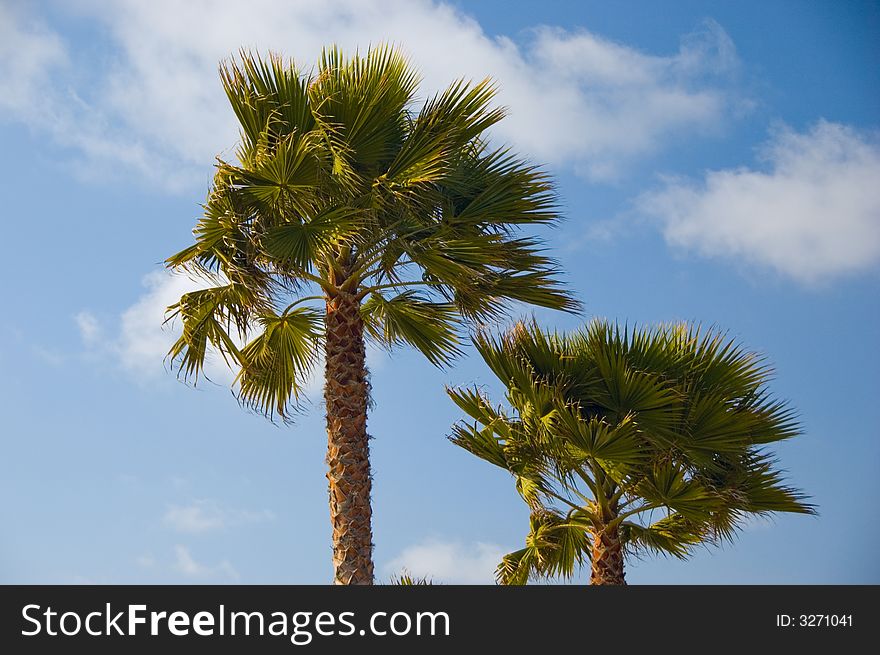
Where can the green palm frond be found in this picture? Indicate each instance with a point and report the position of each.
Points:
(712, 428)
(284, 182)
(220, 236)
(296, 245)
(363, 100)
(620, 444)
(410, 318)
(211, 318)
(246, 86)
(462, 112)
(539, 287)
(672, 535)
(755, 485)
(497, 191)
(504, 359)
(480, 442)
(718, 364)
(267, 94)
(667, 485)
(475, 405)
(555, 547)
(517, 567)
(276, 363)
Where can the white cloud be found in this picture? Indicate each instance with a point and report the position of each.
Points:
(31, 53)
(585, 100)
(144, 337)
(141, 339)
(202, 516)
(155, 103)
(195, 518)
(814, 215)
(449, 562)
(42, 84)
(89, 328)
(186, 564)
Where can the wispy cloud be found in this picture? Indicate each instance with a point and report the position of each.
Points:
(32, 54)
(154, 103)
(601, 104)
(141, 338)
(812, 215)
(89, 328)
(452, 562)
(42, 85)
(202, 516)
(144, 338)
(186, 564)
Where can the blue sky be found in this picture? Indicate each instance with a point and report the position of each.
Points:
(716, 161)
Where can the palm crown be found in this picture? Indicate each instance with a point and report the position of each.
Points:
(350, 214)
(627, 440)
(341, 188)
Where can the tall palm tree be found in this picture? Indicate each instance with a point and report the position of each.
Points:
(627, 440)
(352, 214)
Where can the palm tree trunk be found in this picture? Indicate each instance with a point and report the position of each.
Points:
(607, 559)
(346, 393)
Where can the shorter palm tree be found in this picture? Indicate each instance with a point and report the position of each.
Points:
(624, 441)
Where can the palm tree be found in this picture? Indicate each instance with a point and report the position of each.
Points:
(623, 441)
(351, 214)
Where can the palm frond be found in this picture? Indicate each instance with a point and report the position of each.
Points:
(619, 445)
(516, 568)
(498, 191)
(555, 547)
(672, 535)
(363, 99)
(667, 485)
(278, 361)
(295, 245)
(480, 442)
(410, 318)
(211, 318)
(284, 182)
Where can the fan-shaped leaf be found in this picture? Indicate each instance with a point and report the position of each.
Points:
(277, 362)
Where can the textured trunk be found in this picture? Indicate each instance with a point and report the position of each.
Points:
(346, 393)
(607, 560)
